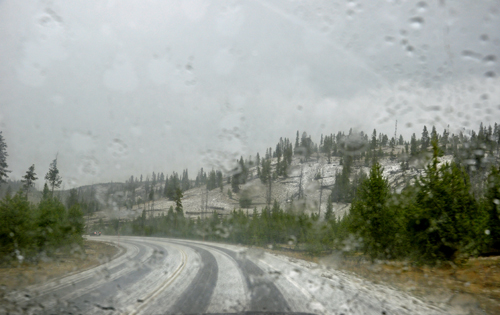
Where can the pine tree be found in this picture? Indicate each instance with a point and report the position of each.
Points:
(434, 135)
(296, 143)
(29, 179)
(492, 206)
(3, 160)
(186, 185)
(46, 191)
(413, 145)
(212, 180)
(425, 141)
(220, 181)
(53, 176)
(178, 202)
(16, 227)
(444, 141)
(371, 217)
(442, 213)
(235, 182)
(243, 171)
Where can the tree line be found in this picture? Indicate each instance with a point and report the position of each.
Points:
(30, 232)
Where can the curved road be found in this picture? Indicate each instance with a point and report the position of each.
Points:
(170, 276)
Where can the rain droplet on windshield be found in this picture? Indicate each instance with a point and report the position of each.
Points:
(490, 59)
(422, 6)
(416, 22)
(484, 37)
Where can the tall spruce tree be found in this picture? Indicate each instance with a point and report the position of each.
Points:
(371, 217)
(52, 176)
(29, 179)
(492, 206)
(425, 141)
(442, 212)
(3, 160)
(413, 145)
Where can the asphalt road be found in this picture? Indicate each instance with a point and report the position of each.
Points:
(170, 276)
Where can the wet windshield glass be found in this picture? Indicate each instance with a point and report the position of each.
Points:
(320, 157)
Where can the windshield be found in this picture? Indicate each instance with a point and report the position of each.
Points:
(319, 157)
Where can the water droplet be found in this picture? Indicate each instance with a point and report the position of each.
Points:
(118, 148)
(434, 108)
(490, 58)
(416, 22)
(471, 54)
(89, 166)
(422, 6)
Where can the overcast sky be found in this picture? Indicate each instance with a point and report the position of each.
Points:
(120, 88)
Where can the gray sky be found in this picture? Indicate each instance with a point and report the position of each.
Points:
(120, 88)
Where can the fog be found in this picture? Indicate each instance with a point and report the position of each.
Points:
(120, 88)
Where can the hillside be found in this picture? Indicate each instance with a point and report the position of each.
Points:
(315, 178)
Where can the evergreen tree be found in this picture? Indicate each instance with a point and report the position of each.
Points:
(51, 222)
(220, 181)
(434, 135)
(342, 189)
(327, 147)
(265, 174)
(373, 142)
(441, 213)
(371, 217)
(153, 179)
(491, 204)
(413, 145)
(29, 179)
(243, 171)
(53, 177)
(444, 141)
(178, 202)
(186, 185)
(212, 180)
(425, 141)
(297, 145)
(3, 159)
(17, 231)
(46, 191)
